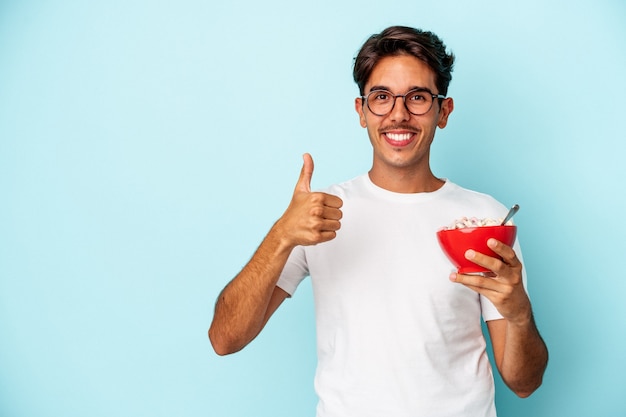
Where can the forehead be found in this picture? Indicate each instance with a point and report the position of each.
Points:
(401, 73)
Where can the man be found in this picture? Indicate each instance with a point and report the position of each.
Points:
(397, 333)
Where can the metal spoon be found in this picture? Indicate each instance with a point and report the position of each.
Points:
(510, 214)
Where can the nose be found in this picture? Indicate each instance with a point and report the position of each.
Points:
(399, 112)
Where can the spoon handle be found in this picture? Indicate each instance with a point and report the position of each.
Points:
(510, 214)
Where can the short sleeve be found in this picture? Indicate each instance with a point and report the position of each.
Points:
(295, 270)
(488, 310)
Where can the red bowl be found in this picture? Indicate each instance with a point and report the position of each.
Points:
(455, 242)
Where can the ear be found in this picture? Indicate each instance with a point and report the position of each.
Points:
(358, 106)
(447, 105)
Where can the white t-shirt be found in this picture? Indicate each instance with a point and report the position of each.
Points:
(395, 337)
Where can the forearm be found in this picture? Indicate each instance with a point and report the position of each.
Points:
(525, 357)
(241, 308)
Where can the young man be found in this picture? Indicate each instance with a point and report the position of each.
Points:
(397, 333)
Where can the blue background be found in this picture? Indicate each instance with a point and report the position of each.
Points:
(147, 146)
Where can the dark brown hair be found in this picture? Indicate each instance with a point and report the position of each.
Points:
(399, 40)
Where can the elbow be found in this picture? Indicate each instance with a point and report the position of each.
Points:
(527, 390)
(221, 345)
(219, 349)
(217, 343)
(524, 394)
(525, 385)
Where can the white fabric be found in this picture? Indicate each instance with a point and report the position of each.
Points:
(395, 337)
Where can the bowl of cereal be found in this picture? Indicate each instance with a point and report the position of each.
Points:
(473, 233)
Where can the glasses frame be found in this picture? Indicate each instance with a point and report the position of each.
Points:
(395, 98)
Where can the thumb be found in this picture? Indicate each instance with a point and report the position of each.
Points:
(304, 182)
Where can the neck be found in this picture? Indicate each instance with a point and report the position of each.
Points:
(406, 181)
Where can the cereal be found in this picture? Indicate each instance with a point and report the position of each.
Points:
(475, 222)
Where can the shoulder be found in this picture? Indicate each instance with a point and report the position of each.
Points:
(347, 188)
(463, 196)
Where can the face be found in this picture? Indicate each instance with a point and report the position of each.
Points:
(400, 139)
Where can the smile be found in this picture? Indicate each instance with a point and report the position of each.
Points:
(399, 139)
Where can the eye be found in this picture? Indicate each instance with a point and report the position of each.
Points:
(418, 96)
(380, 96)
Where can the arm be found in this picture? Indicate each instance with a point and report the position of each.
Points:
(248, 301)
(520, 353)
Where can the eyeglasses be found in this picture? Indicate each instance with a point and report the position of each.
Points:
(418, 101)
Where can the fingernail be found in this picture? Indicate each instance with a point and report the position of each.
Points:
(492, 243)
(453, 276)
(469, 254)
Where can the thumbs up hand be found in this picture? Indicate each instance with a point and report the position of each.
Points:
(311, 217)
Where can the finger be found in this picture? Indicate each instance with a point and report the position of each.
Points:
(304, 182)
(475, 282)
(329, 225)
(325, 236)
(332, 201)
(506, 252)
(323, 231)
(482, 259)
(331, 213)
(504, 271)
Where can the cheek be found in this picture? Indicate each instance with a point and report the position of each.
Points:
(371, 137)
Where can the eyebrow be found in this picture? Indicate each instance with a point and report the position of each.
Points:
(414, 88)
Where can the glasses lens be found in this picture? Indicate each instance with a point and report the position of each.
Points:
(418, 102)
(380, 102)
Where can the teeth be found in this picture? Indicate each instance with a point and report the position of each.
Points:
(398, 136)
